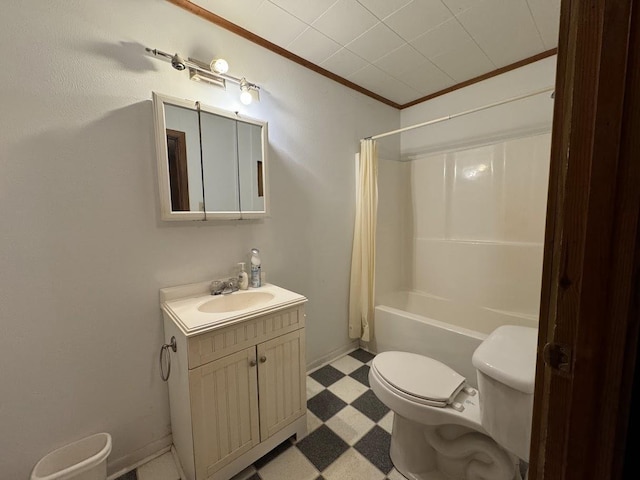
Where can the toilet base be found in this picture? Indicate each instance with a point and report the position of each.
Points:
(448, 452)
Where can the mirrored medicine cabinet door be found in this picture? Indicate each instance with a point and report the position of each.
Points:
(212, 163)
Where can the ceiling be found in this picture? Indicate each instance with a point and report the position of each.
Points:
(402, 50)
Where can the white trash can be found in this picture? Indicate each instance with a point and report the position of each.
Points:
(85, 459)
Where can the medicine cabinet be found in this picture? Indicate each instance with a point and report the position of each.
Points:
(212, 164)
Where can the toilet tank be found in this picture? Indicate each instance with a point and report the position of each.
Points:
(506, 365)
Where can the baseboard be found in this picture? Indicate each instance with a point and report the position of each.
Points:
(141, 456)
(332, 356)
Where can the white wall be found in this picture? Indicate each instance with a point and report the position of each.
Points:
(82, 251)
(521, 118)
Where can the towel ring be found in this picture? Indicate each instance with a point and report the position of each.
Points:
(165, 348)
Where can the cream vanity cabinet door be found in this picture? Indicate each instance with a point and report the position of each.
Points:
(224, 408)
(281, 382)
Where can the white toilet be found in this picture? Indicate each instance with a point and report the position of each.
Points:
(444, 429)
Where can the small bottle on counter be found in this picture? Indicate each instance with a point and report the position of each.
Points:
(243, 278)
(256, 278)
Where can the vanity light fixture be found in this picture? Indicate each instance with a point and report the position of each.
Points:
(214, 73)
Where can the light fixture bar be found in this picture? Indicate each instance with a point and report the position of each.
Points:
(203, 69)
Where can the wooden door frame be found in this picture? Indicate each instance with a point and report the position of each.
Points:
(179, 171)
(592, 249)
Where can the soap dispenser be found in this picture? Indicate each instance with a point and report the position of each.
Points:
(256, 280)
(243, 278)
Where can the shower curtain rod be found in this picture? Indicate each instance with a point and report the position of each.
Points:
(460, 114)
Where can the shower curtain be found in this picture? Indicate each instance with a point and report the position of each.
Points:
(363, 257)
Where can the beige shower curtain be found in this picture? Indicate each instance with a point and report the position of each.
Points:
(363, 257)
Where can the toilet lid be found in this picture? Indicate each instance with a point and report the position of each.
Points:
(419, 376)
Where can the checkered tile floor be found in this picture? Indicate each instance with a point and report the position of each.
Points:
(349, 430)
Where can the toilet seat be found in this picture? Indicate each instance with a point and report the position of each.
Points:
(418, 378)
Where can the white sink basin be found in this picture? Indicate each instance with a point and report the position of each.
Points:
(234, 302)
(194, 310)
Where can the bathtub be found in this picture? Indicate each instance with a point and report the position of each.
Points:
(438, 328)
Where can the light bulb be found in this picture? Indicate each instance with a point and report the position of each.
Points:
(245, 97)
(219, 65)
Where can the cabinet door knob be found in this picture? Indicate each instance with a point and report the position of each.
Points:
(252, 363)
(263, 359)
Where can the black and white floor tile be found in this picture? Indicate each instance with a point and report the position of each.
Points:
(349, 430)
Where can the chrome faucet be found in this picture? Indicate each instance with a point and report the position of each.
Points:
(224, 287)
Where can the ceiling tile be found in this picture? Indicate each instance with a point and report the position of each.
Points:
(417, 17)
(305, 10)
(445, 37)
(464, 62)
(375, 43)
(345, 21)
(313, 46)
(344, 63)
(450, 41)
(271, 22)
(504, 29)
(383, 8)
(546, 14)
(374, 79)
(400, 60)
(426, 78)
(399, 92)
(459, 6)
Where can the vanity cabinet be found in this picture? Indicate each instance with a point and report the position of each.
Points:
(244, 398)
(237, 391)
(224, 410)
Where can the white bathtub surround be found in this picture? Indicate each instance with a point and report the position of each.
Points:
(363, 256)
(461, 218)
(468, 234)
(395, 221)
(479, 224)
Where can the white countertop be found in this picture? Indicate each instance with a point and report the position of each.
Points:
(181, 305)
